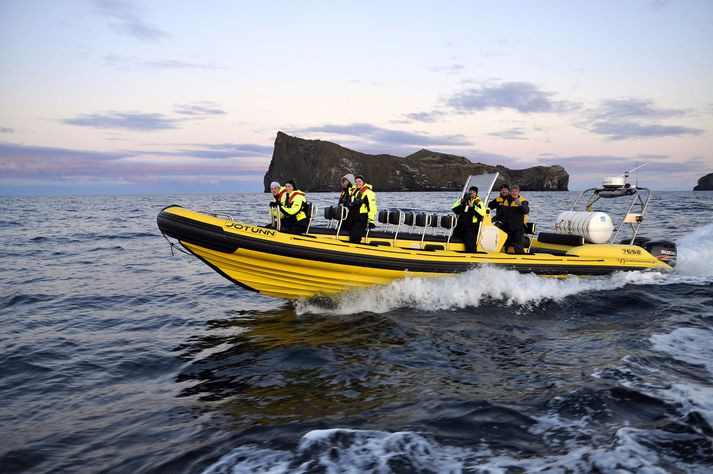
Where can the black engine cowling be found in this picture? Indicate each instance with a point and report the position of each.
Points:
(664, 250)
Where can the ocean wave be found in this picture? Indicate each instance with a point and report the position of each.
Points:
(346, 450)
(691, 346)
(473, 288)
(342, 450)
(469, 289)
(695, 253)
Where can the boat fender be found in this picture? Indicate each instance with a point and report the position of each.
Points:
(664, 250)
(448, 222)
(434, 220)
(595, 227)
(560, 239)
(422, 219)
(383, 217)
(329, 213)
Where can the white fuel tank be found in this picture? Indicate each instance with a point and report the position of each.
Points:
(595, 227)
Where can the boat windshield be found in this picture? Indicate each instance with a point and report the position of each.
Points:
(484, 183)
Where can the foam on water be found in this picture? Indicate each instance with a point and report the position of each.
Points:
(695, 253)
(346, 451)
(355, 451)
(472, 288)
(692, 346)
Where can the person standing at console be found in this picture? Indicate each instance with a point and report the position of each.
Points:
(515, 207)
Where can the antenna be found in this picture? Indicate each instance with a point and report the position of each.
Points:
(626, 173)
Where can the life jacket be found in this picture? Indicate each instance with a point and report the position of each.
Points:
(477, 210)
(510, 204)
(345, 195)
(294, 205)
(368, 201)
(280, 200)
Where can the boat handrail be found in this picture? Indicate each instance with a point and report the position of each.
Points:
(401, 216)
(625, 191)
(452, 221)
(312, 212)
(426, 225)
(343, 214)
(221, 214)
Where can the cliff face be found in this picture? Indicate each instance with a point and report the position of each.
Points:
(705, 183)
(318, 165)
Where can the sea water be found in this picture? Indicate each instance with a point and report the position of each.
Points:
(117, 356)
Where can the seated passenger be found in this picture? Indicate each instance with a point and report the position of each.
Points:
(295, 220)
(279, 196)
(346, 190)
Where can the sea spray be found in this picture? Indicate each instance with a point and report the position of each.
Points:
(695, 253)
(469, 289)
(484, 284)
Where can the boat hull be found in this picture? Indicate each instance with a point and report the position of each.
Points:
(295, 266)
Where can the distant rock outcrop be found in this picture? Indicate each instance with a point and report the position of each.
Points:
(318, 165)
(704, 184)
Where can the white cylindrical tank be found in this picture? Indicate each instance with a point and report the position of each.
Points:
(595, 227)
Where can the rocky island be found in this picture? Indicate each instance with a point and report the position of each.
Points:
(705, 183)
(318, 165)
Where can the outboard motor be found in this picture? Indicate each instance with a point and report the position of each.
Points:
(664, 250)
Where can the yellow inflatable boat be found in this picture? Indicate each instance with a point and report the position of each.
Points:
(323, 261)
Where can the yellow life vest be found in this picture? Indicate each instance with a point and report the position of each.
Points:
(368, 201)
(294, 206)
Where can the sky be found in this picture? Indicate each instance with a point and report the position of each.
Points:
(118, 96)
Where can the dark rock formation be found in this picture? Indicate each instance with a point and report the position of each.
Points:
(704, 184)
(318, 165)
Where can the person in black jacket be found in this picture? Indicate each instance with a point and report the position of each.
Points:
(470, 211)
(515, 207)
(497, 204)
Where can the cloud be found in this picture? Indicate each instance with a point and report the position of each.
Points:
(523, 97)
(127, 62)
(147, 122)
(631, 130)
(427, 117)
(634, 118)
(7, 130)
(450, 69)
(134, 121)
(379, 135)
(125, 20)
(633, 108)
(199, 109)
(515, 133)
(217, 151)
(662, 172)
(21, 162)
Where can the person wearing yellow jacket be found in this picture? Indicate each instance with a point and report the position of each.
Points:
(470, 210)
(295, 220)
(362, 209)
(279, 196)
